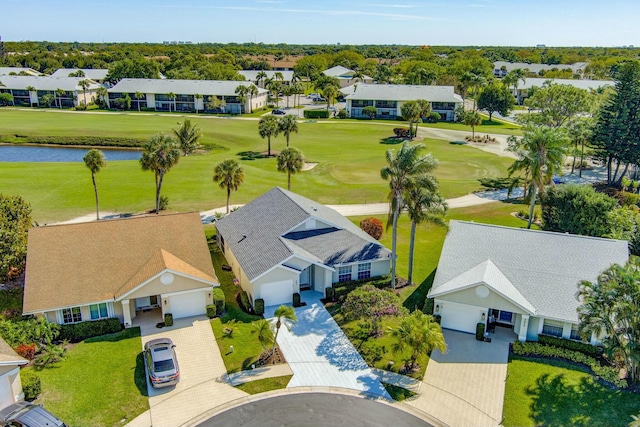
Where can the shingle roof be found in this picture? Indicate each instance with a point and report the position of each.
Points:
(181, 87)
(544, 267)
(259, 234)
(79, 264)
(404, 93)
(89, 73)
(68, 84)
(581, 84)
(8, 356)
(253, 74)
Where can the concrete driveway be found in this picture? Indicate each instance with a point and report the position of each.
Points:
(465, 386)
(201, 386)
(320, 354)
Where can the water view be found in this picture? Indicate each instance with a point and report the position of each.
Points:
(35, 153)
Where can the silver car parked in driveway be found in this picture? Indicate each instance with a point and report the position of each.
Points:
(161, 362)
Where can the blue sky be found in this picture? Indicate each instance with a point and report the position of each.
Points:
(413, 22)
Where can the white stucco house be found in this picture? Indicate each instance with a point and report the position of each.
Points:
(10, 384)
(282, 243)
(118, 268)
(526, 279)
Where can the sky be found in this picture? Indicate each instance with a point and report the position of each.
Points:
(406, 22)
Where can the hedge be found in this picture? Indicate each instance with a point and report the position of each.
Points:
(316, 114)
(94, 141)
(584, 348)
(76, 332)
(218, 299)
(605, 373)
(343, 288)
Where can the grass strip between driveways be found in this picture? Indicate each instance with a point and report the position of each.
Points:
(99, 383)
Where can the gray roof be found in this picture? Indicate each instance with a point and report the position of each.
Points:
(259, 234)
(538, 270)
(581, 84)
(534, 68)
(5, 71)
(253, 74)
(89, 73)
(404, 93)
(181, 87)
(68, 84)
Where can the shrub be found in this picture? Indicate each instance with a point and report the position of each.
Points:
(168, 319)
(77, 332)
(401, 132)
(343, 114)
(480, 331)
(372, 226)
(218, 299)
(28, 351)
(330, 294)
(258, 306)
(244, 301)
(316, 114)
(428, 306)
(584, 348)
(296, 299)
(211, 311)
(31, 385)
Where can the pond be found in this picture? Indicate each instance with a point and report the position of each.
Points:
(38, 153)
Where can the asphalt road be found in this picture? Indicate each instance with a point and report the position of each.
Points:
(315, 410)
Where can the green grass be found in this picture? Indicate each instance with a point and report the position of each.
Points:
(555, 393)
(350, 155)
(398, 393)
(266, 384)
(101, 381)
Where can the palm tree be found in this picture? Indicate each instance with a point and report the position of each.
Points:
(197, 97)
(138, 96)
(172, 97)
(291, 161)
(402, 167)
(60, 93)
(84, 84)
(30, 89)
(283, 314)
(268, 127)
(287, 125)
(259, 78)
(242, 91)
(264, 333)
(410, 111)
(419, 332)
(94, 160)
(159, 155)
(229, 175)
(540, 153)
(423, 203)
(187, 136)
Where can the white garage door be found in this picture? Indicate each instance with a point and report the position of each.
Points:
(275, 293)
(6, 394)
(190, 304)
(460, 317)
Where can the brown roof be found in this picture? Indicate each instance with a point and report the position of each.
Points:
(78, 264)
(8, 356)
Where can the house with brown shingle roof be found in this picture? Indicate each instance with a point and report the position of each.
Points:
(10, 384)
(118, 268)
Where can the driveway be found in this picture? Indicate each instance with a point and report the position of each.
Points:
(465, 386)
(201, 370)
(320, 354)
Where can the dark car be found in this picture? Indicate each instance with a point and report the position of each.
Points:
(28, 415)
(278, 112)
(161, 362)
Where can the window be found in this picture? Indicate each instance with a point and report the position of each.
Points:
(552, 328)
(98, 311)
(344, 273)
(71, 315)
(364, 270)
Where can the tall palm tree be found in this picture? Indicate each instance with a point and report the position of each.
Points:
(410, 111)
(159, 155)
(402, 167)
(138, 96)
(172, 97)
(264, 333)
(229, 175)
(420, 333)
(196, 104)
(59, 94)
(291, 161)
(540, 153)
(267, 128)
(30, 89)
(283, 314)
(94, 160)
(187, 136)
(287, 125)
(84, 84)
(424, 204)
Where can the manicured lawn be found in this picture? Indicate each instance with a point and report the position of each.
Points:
(267, 384)
(349, 156)
(554, 393)
(101, 381)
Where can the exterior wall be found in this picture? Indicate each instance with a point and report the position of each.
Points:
(155, 287)
(468, 296)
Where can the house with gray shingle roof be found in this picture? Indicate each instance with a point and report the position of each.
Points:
(526, 280)
(282, 243)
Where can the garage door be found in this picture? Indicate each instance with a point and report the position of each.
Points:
(460, 317)
(190, 304)
(274, 293)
